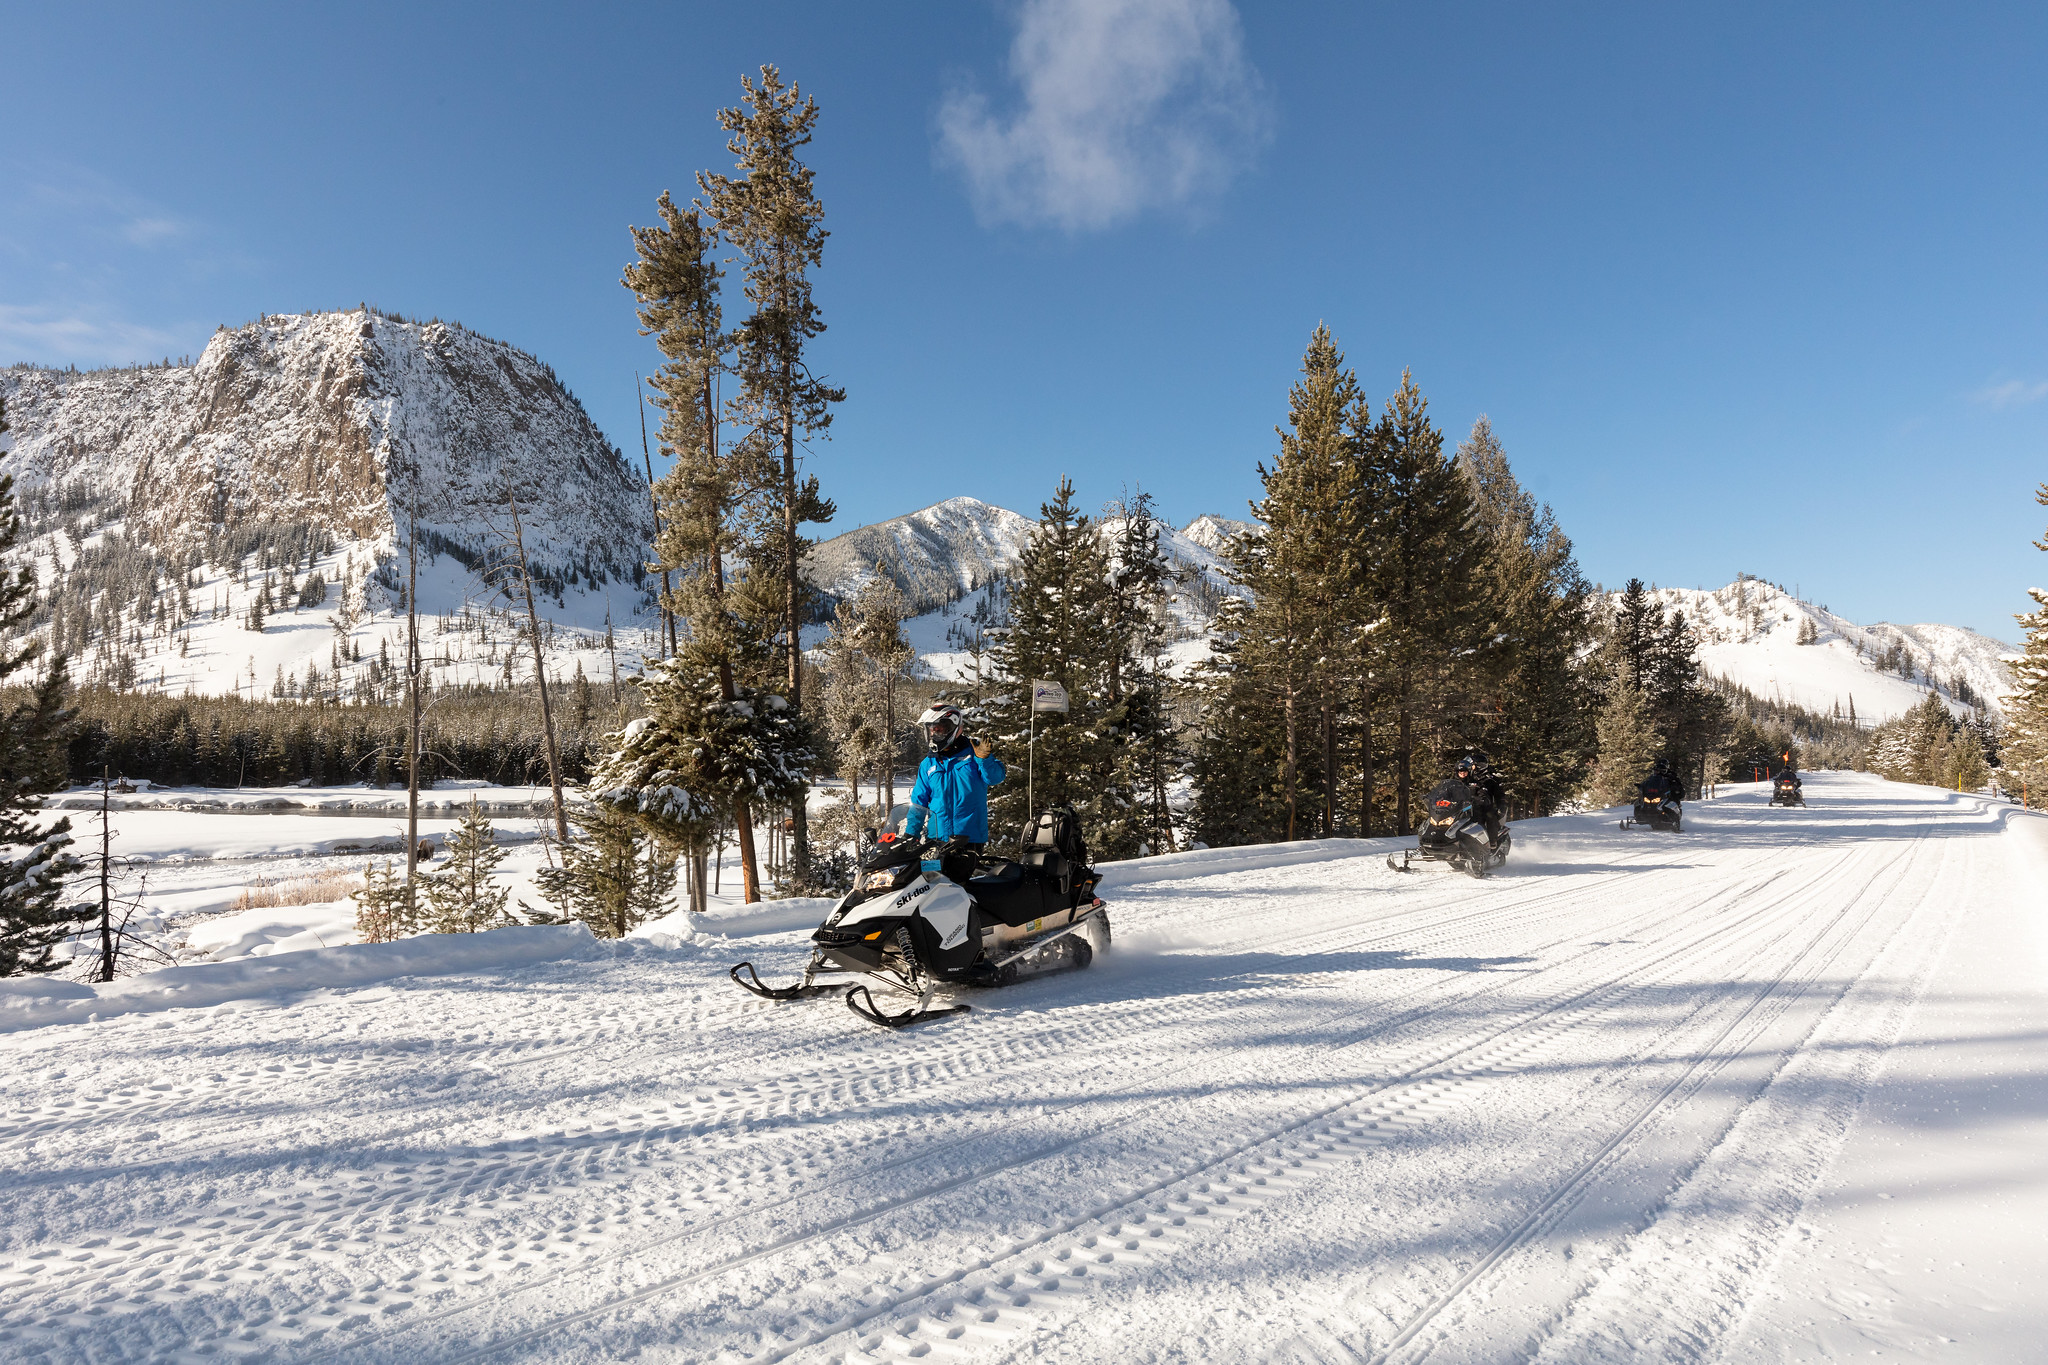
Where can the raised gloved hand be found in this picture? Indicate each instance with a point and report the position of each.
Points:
(981, 746)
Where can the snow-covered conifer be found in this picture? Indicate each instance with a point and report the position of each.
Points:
(772, 215)
(614, 877)
(2026, 747)
(34, 859)
(461, 897)
(1629, 742)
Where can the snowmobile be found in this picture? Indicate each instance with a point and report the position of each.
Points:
(1663, 814)
(1452, 833)
(1786, 791)
(929, 913)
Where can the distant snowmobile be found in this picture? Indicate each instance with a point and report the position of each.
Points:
(1659, 802)
(1787, 790)
(926, 913)
(1452, 833)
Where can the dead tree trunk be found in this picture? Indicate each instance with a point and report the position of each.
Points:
(540, 671)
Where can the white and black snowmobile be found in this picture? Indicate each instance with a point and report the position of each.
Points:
(1453, 834)
(925, 914)
(1786, 791)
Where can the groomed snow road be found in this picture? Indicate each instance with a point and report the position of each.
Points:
(1306, 1110)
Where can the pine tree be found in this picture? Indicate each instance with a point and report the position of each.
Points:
(385, 908)
(34, 859)
(1535, 716)
(1301, 566)
(681, 768)
(462, 898)
(1629, 743)
(771, 214)
(1426, 578)
(676, 283)
(1140, 689)
(2026, 746)
(1058, 631)
(614, 877)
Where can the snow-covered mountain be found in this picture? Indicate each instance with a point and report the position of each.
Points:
(1756, 634)
(952, 561)
(162, 502)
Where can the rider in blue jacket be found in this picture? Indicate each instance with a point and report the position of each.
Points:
(953, 780)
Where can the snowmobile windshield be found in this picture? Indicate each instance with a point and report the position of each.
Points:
(904, 823)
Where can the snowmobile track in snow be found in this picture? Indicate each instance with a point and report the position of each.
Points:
(1542, 1036)
(682, 1173)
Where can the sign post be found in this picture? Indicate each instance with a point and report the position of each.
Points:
(1045, 696)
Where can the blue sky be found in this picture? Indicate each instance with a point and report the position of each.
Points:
(1742, 288)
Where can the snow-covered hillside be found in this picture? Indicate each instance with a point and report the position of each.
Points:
(163, 502)
(953, 560)
(1761, 637)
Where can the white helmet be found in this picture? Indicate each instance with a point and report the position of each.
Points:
(943, 726)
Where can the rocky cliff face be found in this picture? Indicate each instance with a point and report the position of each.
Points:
(328, 420)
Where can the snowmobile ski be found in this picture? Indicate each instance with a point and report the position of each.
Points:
(916, 1014)
(801, 989)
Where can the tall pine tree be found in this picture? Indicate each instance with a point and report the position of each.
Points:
(1300, 563)
(1535, 711)
(771, 214)
(1426, 566)
(1058, 631)
(34, 858)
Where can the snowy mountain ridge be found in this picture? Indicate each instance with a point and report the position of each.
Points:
(953, 560)
(164, 504)
(1761, 637)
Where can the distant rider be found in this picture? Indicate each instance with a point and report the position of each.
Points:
(953, 780)
(1489, 794)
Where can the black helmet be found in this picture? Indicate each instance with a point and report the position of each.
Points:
(1662, 765)
(1474, 762)
(942, 727)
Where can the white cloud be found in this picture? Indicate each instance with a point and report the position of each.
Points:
(1126, 105)
(47, 335)
(2012, 393)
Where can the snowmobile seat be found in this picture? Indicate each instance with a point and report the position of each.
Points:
(1053, 847)
(1009, 893)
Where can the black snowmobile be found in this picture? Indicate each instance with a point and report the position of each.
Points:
(928, 913)
(1659, 811)
(1452, 833)
(1787, 791)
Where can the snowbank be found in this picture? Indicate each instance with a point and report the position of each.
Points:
(733, 919)
(274, 929)
(34, 1002)
(1166, 867)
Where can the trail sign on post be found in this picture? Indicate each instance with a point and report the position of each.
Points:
(1046, 695)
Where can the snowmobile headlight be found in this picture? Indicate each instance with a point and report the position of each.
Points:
(879, 881)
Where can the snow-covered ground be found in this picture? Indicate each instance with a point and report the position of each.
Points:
(1768, 1090)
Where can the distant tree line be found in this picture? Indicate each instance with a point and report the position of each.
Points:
(487, 734)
